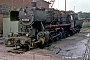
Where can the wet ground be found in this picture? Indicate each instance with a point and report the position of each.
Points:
(73, 46)
(76, 46)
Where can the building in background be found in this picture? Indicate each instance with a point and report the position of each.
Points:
(21, 3)
(7, 5)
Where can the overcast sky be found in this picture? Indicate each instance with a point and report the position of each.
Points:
(80, 5)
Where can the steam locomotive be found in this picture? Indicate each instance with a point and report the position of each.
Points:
(45, 25)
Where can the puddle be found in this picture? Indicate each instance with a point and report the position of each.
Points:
(88, 34)
(75, 51)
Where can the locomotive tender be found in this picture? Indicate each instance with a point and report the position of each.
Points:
(45, 25)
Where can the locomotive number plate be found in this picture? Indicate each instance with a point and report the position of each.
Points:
(25, 19)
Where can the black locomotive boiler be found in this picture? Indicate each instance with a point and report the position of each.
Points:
(45, 25)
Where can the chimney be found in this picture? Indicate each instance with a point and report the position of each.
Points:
(34, 3)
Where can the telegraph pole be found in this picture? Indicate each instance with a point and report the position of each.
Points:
(65, 5)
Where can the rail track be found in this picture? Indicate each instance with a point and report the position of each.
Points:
(45, 54)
